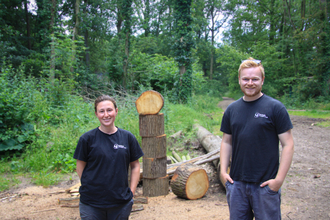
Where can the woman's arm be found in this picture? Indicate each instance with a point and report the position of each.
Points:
(135, 175)
(80, 167)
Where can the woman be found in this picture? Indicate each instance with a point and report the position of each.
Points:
(103, 158)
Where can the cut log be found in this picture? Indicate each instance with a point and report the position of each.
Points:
(154, 147)
(149, 103)
(73, 187)
(151, 125)
(176, 156)
(154, 167)
(69, 201)
(156, 187)
(190, 182)
(137, 207)
(141, 200)
(209, 141)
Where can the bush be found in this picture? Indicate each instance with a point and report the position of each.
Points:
(15, 106)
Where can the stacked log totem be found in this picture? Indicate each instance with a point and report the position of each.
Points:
(151, 126)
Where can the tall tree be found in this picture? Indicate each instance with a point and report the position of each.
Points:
(127, 15)
(217, 13)
(184, 42)
(52, 50)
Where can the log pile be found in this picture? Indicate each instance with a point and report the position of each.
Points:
(151, 128)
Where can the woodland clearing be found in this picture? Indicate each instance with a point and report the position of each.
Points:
(305, 192)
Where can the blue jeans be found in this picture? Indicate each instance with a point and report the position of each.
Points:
(248, 200)
(122, 212)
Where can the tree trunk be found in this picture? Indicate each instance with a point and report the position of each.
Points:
(52, 50)
(156, 187)
(125, 65)
(190, 182)
(154, 167)
(27, 25)
(154, 147)
(151, 125)
(86, 38)
(75, 32)
(210, 143)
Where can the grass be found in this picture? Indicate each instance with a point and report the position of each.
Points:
(322, 114)
(8, 181)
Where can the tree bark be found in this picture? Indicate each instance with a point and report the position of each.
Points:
(154, 167)
(154, 147)
(209, 141)
(190, 182)
(27, 25)
(156, 187)
(151, 125)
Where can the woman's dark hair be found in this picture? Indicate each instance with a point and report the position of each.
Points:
(104, 98)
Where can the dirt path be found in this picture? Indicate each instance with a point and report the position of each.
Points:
(305, 193)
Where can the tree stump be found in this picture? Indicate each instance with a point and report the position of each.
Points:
(154, 167)
(190, 182)
(149, 103)
(156, 187)
(151, 125)
(154, 147)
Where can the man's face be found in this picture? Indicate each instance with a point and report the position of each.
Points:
(251, 81)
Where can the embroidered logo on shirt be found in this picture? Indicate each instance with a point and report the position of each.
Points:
(117, 146)
(259, 115)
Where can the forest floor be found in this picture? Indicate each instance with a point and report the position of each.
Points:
(305, 192)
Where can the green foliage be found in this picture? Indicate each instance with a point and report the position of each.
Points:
(229, 60)
(182, 117)
(67, 57)
(15, 104)
(7, 182)
(322, 114)
(35, 64)
(157, 71)
(160, 73)
(46, 179)
(182, 46)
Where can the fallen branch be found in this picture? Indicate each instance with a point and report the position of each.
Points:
(68, 200)
(141, 200)
(45, 210)
(137, 207)
(58, 192)
(213, 155)
(71, 206)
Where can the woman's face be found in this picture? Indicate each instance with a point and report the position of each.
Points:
(106, 113)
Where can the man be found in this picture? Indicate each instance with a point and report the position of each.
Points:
(252, 128)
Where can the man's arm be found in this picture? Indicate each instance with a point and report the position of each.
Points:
(225, 154)
(80, 167)
(287, 143)
(135, 175)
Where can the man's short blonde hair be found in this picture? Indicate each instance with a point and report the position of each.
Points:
(249, 63)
